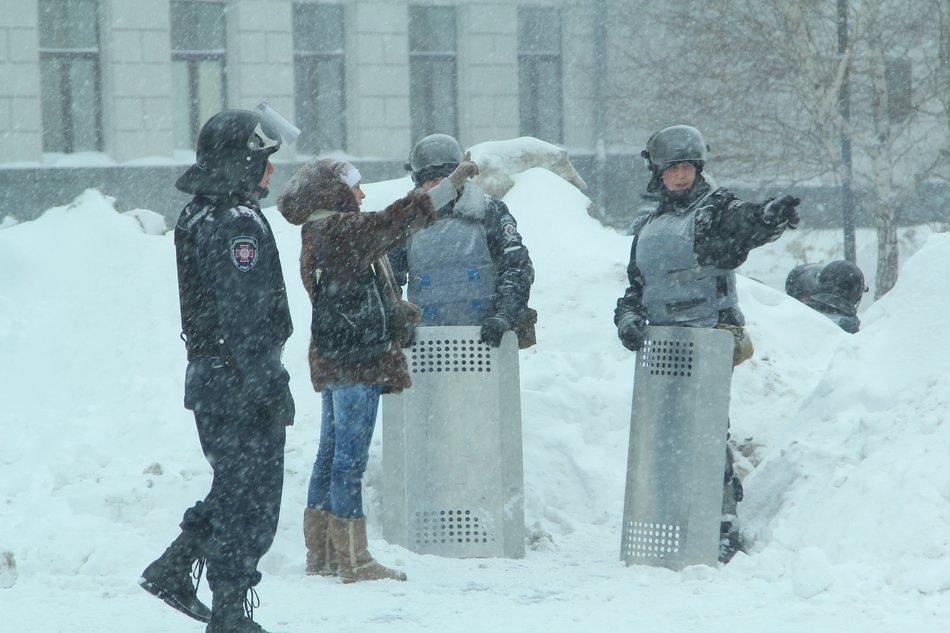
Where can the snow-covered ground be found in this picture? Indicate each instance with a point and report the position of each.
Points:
(849, 507)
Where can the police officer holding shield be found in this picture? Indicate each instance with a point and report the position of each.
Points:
(471, 267)
(235, 321)
(683, 260)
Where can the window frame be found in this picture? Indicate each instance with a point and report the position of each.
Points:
(62, 57)
(315, 56)
(417, 130)
(193, 57)
(530, 61)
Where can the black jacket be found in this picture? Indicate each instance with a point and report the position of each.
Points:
(727, 229)
(836, 309)
(515, 273)
(234, 312)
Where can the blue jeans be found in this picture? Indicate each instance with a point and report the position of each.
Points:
(349, 416)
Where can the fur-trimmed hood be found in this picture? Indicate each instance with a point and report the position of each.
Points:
(318, 185)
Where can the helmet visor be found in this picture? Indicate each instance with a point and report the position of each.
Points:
(271, 118)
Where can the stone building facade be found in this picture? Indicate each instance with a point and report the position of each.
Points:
(132, 79)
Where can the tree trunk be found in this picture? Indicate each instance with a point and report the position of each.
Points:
(882, 162)
(887, 252)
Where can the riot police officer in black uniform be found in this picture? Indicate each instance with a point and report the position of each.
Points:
(683, 260)
(834, 289)
(235, 321)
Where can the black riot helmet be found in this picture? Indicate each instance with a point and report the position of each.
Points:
(841, 280)
(232, 152)
(671, 145)
(802, 281)
(675, 144)
(435, 156)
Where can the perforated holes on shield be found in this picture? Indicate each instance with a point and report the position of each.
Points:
(651, 540)
(450, 355)
(667, 358)
(449, 527)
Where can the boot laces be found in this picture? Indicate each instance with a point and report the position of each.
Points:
(197, 569)
(251, 602)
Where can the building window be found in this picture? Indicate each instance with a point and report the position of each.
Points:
(69, 75)
(319, 77)
(539, 73)
(898, 75)
(198, 68)
(432, 71)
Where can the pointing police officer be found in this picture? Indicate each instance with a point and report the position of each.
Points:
(235, 321)
(683, 260)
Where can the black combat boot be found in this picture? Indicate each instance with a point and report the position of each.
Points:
(169, 577)
(730, 542)
(231, 611)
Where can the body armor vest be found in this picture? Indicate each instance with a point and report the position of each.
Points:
(451, 273)
(677, 290)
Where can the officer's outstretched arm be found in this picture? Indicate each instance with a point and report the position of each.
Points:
(727, 229)
(512, 261)
(242, 273)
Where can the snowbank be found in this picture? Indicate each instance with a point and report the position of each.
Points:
(499, 161)
(861, 477)
(848, 509)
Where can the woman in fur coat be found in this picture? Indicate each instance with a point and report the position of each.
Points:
(359, 326)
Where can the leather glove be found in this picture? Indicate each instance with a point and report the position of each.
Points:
(493, 328)
(632, 332)
(782, 212)
(466, 169)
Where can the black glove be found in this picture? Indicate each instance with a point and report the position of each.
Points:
(782, 212)
(493, 328)
(631, 332)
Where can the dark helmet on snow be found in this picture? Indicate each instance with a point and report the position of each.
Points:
(843, 280)
(802, 281)
(672, 145)
(233, 149)
(435, 156)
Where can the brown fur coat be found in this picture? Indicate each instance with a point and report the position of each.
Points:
(354, 242)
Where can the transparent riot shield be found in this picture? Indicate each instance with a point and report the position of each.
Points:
(677, 453)
(452, 461)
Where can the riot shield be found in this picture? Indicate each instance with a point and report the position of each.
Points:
(677, 453)
(452, 460)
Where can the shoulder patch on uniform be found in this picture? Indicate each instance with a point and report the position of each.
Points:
(509, 228)
(244, 252)
(242, 212)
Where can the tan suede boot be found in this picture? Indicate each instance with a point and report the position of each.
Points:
(356, 563)
(321, 557)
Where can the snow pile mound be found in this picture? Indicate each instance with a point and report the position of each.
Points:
(499, 161)
(858, 486)
(152, 223)
(98, 458)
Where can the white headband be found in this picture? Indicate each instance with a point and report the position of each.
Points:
(350, 175)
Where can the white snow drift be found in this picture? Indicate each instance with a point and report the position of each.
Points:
(849, 508)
